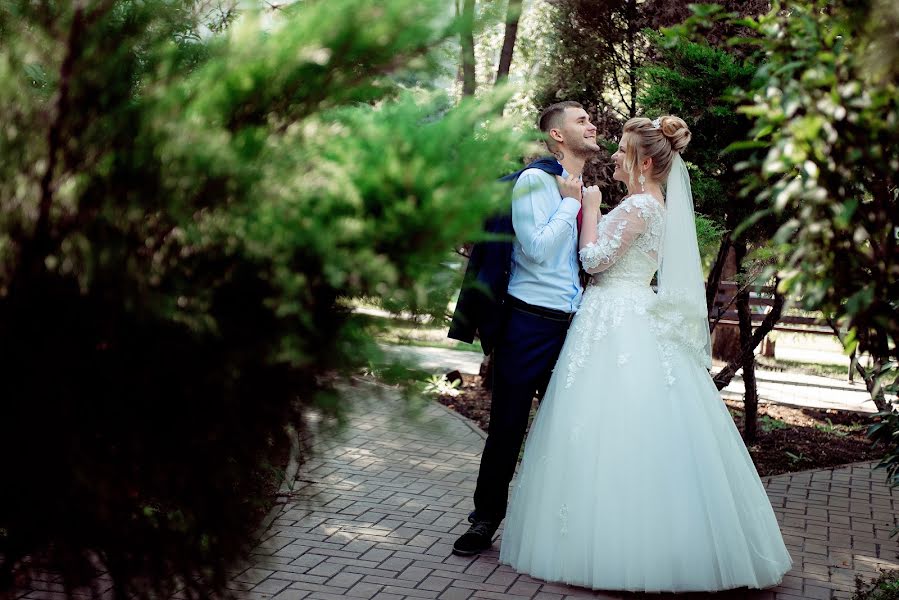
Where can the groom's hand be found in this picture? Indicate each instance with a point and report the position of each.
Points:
(570, 187)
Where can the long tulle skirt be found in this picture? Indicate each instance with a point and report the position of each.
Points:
(634, 476)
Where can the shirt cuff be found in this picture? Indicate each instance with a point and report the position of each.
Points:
(569, 209)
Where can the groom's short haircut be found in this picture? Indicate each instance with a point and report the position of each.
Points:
(551, 116)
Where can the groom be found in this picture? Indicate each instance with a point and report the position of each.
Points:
(533, 291)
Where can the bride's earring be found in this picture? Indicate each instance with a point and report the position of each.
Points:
(642, 180)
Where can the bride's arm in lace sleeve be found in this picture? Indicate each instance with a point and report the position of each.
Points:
(602, 243)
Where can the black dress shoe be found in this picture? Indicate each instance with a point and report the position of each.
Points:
(478, 538)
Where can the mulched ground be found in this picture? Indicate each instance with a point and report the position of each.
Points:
(789, 439)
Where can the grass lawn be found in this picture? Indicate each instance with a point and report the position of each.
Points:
(411, 332)
(806, 368)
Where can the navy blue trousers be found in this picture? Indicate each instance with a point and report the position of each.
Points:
(525, 354)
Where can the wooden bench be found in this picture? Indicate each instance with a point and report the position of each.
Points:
(761, 299)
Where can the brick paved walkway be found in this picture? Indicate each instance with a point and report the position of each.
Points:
(377, 510)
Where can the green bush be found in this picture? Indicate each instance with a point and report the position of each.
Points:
(182, 219)
(827, 129)
(826, 122)
(884, 587)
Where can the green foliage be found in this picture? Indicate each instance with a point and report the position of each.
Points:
(826, 138)
(832, 133)
(532, 50)
(694, 81)
(796, 458)
(596, 55)
(771, 424)
(836, 430)
(439, 385)
(708, 235)
(583, 68)
(182, 221)
(884, 587)
(882, 56)
(886, 432)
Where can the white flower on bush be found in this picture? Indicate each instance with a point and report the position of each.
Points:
(439, 385)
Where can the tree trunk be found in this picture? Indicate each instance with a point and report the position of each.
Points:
(873, 386)
(467, 41)
(513, 14)
(632, 66)
(751, 396)
(711, 286)
(486, 372)
(750, 402)
(871, 383)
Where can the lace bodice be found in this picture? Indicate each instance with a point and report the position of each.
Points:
(628, 241)
(623, 260)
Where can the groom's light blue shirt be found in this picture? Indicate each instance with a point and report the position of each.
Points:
(544, 254)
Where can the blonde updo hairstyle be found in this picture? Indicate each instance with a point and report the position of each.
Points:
(645, 141)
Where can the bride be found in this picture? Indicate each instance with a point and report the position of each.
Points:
(634, 476)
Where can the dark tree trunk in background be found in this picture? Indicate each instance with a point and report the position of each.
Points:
(467, 41)
(711, 286)
(513, 14)
(632, 59)
(750, 396)
(486, 372)
(875, 389)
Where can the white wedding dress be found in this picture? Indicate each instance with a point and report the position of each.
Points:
(634, 476)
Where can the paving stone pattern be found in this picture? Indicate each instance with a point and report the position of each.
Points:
(376, 511)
